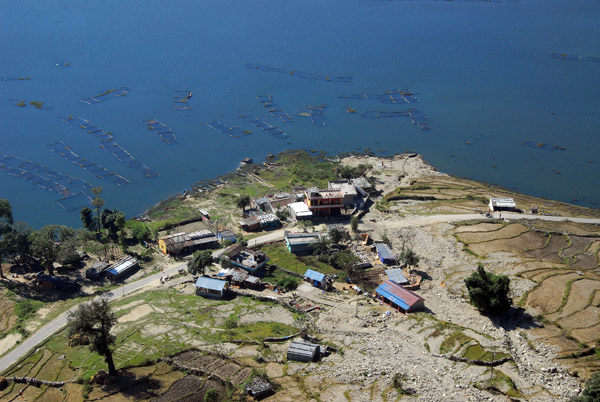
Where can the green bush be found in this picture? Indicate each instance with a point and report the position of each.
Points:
(488, 292)
(591, 393)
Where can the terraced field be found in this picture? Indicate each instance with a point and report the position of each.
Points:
(562, 264)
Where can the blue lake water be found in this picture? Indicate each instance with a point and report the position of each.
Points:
(482, 70)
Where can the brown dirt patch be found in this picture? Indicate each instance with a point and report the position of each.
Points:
(526, 241)
(555, 244)
(480, 227)
(579, 296)
(582, 319)
(136, 314)
(578, 245)
(594, 247)
(586, 261)
(586, 335)
(506, 232)
(188, 385)
(547, 298)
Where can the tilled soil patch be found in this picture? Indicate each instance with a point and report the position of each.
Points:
(548, 297)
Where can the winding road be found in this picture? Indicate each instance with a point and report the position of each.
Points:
(154, 280)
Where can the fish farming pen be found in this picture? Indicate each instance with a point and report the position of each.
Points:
(232, 131)
(315, 113)
(543, 145)
(264, 126)
(65, 152)
(566, 56)
(274, 109)
(165, 133)
(181, 100)
(69, 201)
(24, 164)
(106, 95)
(417, 117)
(394, 96)
(16, 78)
(299, 74)
(109, 145)
(24, 103)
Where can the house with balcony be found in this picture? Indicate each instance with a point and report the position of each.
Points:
(324, 203)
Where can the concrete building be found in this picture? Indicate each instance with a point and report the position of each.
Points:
(209, 287)
(303, 352)
(399, 298)
(353, 195)
(317, 279)
(299, 211)
(251, 261)
(384, 254)
(302, 243)
(324, 203)
(122, 267)
(502, 204)
(185, 243)
(226, 235)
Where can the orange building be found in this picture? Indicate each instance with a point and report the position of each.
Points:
(324, 202)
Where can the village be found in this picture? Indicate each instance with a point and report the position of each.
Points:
(354, 268)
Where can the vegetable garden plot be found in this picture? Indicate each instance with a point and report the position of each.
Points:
(108, 144)
(543, 145)
(315, 113)
(106, 95)
(566, 56)
(232, 131)
(15, 161)
(181, 100)
(165, 133)
(264, 126)
(299, 74)
(66, 153)
(274, 109)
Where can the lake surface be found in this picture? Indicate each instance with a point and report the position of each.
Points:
(483, 73)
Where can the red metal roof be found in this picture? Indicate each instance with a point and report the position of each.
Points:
(406, 295)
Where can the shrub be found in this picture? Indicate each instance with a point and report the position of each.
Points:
(591, 393)
(488, 292)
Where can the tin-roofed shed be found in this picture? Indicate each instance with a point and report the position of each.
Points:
(122, 267)
(397, 275)
(317, 279)
(399, 298)
(303, 352)
(384, 254)
(209, 287)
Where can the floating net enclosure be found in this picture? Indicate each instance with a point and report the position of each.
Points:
(75, 201)
(394, 96)
(232, 131)
(543, 145)
(108, 144)
(165, 133)
(417, 117)
(274, 109)
(566, 56)
(27, 165)
(181, 100)
(106, 95)
(65, 152)
(315, 113)
(298, 74)
(264, 126)
(16, 78)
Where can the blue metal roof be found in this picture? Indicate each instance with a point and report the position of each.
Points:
(383, 291)
(383, 251)
(210, 283)
(314, 275)
(396, 275)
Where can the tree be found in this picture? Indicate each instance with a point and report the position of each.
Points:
(113, 221)
(488, 292)
(139, 230)
(199, 261)
(354, 223)
(98, 203)
(94, 320)
(87, 218)
(335, 236)
(591, 393)
(6, 221)
(46, 242)
(243, 201)
(410, 258)
(17, 242)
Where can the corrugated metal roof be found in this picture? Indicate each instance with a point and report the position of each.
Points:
(404, 298)
(503, 202)
(384, 251)
(301, 348)
(122, 265)
(314, 275)
(396, 275)
(210, 283)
